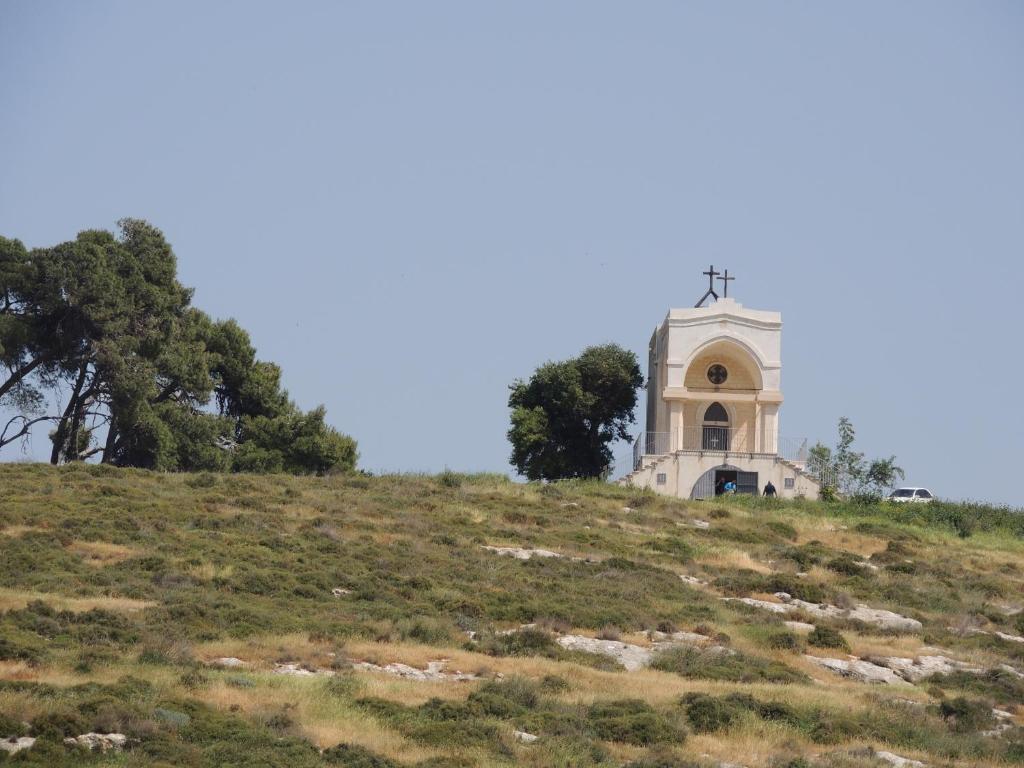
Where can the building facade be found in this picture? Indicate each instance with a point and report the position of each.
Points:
(713, 399)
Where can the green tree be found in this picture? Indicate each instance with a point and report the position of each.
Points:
(99, 339)
(846, 471)
(565, 418)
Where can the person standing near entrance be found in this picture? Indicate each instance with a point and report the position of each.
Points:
(730, 487)
(720, 486)
(769, 489)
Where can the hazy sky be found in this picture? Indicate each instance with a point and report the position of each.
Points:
(408, 205)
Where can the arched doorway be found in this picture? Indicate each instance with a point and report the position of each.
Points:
(704, 488)
(715, 429)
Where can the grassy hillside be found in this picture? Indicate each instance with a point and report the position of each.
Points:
(121, 589)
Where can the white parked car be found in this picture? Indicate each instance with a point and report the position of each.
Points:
(918, 495)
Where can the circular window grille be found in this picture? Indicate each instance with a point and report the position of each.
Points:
(717, 374)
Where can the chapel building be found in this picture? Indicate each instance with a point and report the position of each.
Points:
(714, 391)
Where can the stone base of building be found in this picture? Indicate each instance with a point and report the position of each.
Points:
(689, 475)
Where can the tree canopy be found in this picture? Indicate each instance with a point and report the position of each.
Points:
(565, 418)
(99, 340)
(848, 472)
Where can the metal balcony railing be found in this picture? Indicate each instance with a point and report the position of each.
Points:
(715, 439)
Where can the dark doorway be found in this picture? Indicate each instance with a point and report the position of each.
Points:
(715, 433)
(746, 482)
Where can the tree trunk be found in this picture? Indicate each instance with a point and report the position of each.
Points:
(60, 437)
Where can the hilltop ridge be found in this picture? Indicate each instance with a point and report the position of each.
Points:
(238, 620)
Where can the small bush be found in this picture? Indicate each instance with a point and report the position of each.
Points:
(785, 530)
(848, 565)
(449, 479)
(633, 721)
(826, 637)
(785, 641)
(735, 667)
(707, 714)
(354, 756)
(966, 715)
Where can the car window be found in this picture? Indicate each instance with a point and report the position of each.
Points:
(922, 493)
(903, 493)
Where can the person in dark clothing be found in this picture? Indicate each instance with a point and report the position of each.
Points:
(720, 486)
(769, 490)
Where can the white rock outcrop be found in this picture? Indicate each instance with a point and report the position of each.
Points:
(921, 667)
(899, 762)
(522, 554)
(104, 742)
(15, 744)
(633, 657)
(799, 626)
(296, 670)
(861, 612)
(858, 669)
(524, 737)
(228, 662)
(433, 673)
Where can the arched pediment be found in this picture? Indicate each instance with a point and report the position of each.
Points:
(741, 361)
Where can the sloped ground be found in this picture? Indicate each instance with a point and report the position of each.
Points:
(464, 621)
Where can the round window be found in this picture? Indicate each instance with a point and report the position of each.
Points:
(717, 374)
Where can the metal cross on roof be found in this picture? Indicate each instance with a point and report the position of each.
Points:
(711, 286)
(725, 283)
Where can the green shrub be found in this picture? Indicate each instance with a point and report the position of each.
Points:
(449, 479)
(633, 721)
(785, 530)
(707, 714)
(785, 641)
(966, 715)
(826, 637)
(848, 565)
(714, 664)
(354, 756)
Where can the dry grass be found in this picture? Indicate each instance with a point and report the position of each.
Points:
(101, 553)
(14, 599)
(732, 558)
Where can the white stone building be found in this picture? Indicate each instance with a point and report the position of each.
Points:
(713, 399)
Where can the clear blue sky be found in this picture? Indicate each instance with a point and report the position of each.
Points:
(408, 205)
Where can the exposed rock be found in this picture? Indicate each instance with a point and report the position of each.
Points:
(627, 509)
(899, 762)
(784, 597)
(634, 657)
(677, 638)
(523, 736)
(921, 667)
(228, 662)
(297, 670)
(104, 742)
(762, 604)
(569, 505)
(702, 524)
(692, 580)
(1011, 638)
(631, 657)
(877, 616)
(341, 591)
(16, 744)
(433, 673)
(522, 554)
(858, 669)
(1004, 722)
(799, 626)
(1016, 673)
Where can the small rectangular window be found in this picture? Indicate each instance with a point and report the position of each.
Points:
(789, 482)
(662, 478)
